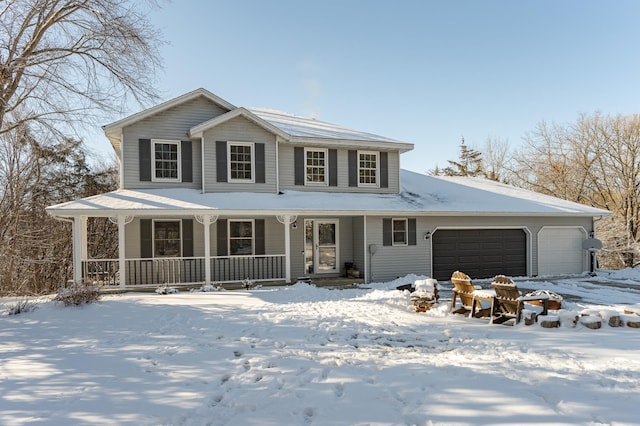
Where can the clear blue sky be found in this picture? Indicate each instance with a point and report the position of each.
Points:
(423, 72)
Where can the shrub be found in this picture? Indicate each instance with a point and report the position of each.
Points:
(21, 306)
(78, 294)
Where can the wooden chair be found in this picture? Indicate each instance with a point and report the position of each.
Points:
(509, 302)
(465, 291)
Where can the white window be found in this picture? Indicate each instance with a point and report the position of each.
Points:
(241, 237)
(166, 161)
(240, 163)
(166, 238)
(368, 168)
(315, 166)
(399, 227)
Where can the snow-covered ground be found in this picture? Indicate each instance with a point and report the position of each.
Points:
(304, 355)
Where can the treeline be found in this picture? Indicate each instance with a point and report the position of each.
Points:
(593, 161)
(35, 248)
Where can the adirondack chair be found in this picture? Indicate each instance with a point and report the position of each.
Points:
(509, 302)
(468, 295)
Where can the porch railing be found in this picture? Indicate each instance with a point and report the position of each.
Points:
(181, 270)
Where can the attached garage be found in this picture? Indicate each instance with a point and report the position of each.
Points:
(560, 250)
(480, 253)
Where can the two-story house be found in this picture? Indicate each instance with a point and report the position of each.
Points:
(210, 192)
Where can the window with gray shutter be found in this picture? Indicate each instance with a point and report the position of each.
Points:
(187, 161)
(260, 166)
(222, 236)
(353, 167)
(298, 164)
(387, 232)
(333, 167)
(187, 237)
(384, 170)
(144, 159)
(221, 161)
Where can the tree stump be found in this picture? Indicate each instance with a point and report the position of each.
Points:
(591, 321)
(529, 317)
(612, 318)
(568, 318)
(549, 321)
(633, 309)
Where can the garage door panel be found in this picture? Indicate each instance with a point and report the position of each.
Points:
(479, 253)
(560, 251)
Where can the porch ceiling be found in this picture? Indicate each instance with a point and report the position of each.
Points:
(420, 195)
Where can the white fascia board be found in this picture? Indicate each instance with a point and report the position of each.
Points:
(197, 131)
(69, 213)
(359, 144)
(117, 125)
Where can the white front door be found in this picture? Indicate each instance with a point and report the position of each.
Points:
(321, 246)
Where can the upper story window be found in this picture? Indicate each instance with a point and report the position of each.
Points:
(399, 227)
(241, 237)
(368, 168)
(241, 166)
(166, 238)
(166, 160)
(315, 166)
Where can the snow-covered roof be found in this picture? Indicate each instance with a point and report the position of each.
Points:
(420, 195)
(302, 128)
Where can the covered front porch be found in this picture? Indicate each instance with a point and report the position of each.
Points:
(189, 253)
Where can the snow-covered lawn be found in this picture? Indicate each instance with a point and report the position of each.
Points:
(304, 355)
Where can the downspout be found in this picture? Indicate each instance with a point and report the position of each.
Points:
(277, 165)
(120, 162)
(594, 255)
(202, 191)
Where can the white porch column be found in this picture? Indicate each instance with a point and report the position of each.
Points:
(83, 237)
(78, 222)
(287, 220)
(121, 250)
(121, 220)
(207, 220)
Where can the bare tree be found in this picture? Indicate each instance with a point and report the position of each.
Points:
(64, 64)
(594, 161)
(495, 158)
(67, 61)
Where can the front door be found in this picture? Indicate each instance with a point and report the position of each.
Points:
(321, 246)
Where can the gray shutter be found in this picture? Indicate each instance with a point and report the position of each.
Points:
(411, 237)
(187, 237)
(333, 167)
(187, 161)
(298, 165)
(384, 170)
(146, 238)
(260, 172)
(259, 237)
(353, 168)
(144, 158)
(387, 232)
(221, 161)
(222, 237)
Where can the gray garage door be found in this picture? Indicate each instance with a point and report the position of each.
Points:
(481, 253)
